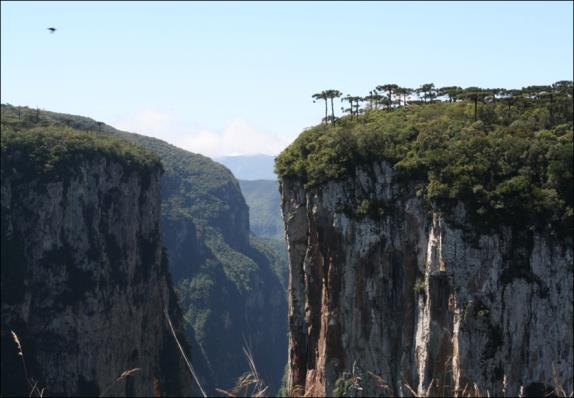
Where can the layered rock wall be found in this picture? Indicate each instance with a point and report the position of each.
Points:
(85, 283)
(386, 291)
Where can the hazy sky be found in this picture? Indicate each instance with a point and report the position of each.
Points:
(222, 78)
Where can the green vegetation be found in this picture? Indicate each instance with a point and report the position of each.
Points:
(50, 148)
(266, 222)
(348, 384)
(264, 201)
(328, 95)
(275, 250)
(227, 285)
(237, 266)
(513, 164)
(419, 287)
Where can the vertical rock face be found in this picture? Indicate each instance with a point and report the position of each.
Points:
(227, 289)
(386, 289)
(85, 282)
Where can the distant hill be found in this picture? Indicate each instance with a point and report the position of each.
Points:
(265, 220)
(250, 167)
(262, 197)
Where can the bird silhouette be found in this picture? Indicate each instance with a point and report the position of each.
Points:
(52, 30)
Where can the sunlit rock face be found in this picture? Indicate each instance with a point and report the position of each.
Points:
(85, 283)
(387, 292)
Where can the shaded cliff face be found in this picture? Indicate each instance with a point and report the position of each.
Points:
(382, 283)
(84, 278)
(229, 293)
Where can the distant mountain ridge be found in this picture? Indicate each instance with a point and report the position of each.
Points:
(249, 167)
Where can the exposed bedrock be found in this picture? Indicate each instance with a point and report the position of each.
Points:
(85, 282)
(385, 288)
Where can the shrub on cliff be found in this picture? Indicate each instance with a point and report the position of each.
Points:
(515, 164)
(51, 149)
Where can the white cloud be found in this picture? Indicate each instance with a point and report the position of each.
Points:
(239, 138)
(149, 122)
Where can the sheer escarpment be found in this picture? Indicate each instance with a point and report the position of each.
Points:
(229, 294)
(85, 280)
(386, 291)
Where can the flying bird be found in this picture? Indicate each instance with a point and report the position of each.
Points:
(52, 30)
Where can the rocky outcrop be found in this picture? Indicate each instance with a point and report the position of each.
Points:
(227, 289)
(386, 291)
(85, 282)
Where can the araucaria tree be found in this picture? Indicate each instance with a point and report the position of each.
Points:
(390, 89)
(451, 92)
(333, 94)
(474, 94)
(374, 99)
(403, 91)
(322, 95)
(353, 104)
(427, 90)
(555, 98)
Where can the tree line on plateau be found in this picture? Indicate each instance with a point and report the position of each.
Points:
(390, 96)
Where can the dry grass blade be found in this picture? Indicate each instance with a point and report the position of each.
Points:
(121, 377)
(411, 390)
(381, 383)
(33, 389)
(226, 393)
(427, 392)
(250, 383)
(33, 384)
(253, 378)
(188, 363)
(558, 388)
(464, 391)
(128, 373)
(17, 341)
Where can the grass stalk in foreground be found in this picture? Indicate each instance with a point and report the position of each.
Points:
(188, 363)
(33, 383)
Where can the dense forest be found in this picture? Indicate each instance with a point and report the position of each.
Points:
(506, 154)
(47, 149)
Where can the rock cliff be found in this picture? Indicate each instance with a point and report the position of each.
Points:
(84, 276)
(229, 293)
(386, 290)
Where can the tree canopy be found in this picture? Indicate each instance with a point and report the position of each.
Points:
(509, 158)
(555, 97)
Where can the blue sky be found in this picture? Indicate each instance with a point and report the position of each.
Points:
(237, 77)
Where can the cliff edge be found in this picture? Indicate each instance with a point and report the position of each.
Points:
(418, 265)
(84, 277)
